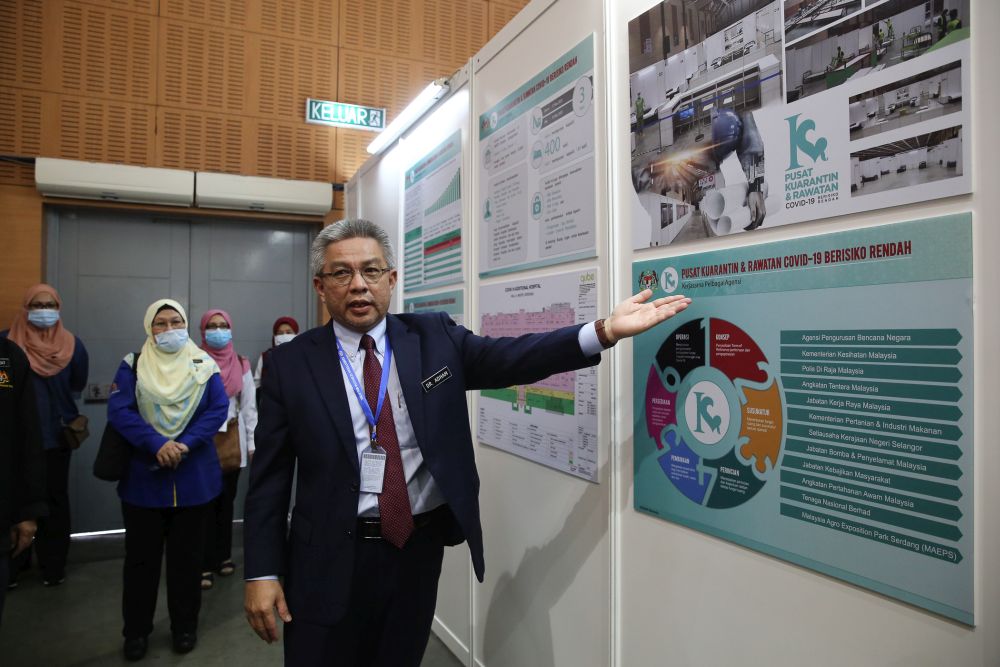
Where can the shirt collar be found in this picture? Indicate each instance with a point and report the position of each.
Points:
(351, 340)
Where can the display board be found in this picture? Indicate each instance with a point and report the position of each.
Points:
(451, 302)
(815, 403)
(536, 169)
(856, 108)
(554, 421)
(432, 217)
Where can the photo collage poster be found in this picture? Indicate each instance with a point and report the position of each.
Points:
(759, 113)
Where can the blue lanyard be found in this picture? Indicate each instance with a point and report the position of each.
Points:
(345, 363)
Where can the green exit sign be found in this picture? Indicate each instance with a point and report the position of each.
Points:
(338, 114)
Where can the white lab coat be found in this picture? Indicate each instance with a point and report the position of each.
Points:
(243, 407)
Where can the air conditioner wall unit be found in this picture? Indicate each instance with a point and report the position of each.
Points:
(113, 182)
(255, 193)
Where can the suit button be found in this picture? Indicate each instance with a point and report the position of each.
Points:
(354, 487)
(350, 533)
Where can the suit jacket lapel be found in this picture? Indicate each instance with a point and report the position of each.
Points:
(406, 354)
(324, 364)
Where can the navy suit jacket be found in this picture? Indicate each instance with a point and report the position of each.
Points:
(305, 418)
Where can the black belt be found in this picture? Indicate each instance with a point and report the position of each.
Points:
(370, 527)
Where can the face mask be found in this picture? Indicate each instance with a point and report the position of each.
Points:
(172, 340)
(43, 318)
(218, 338)
(281, 339)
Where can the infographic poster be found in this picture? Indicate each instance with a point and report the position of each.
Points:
(772, 112)
(815, 403)
(552, 422)
(432, 218)
(451, 302)
(536, 169)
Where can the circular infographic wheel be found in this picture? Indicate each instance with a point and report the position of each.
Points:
(714, 409)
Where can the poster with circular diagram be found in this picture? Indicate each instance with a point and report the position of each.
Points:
(714, 410)
(810, 405)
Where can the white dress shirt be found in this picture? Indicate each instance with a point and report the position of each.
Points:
(420, 486)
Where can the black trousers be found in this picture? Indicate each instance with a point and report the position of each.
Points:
(147, 530)
(219, 524)
(52, 540)
(388, 622)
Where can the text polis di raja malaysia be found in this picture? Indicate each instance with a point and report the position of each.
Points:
(858, 253)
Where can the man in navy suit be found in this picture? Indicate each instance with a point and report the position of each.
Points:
(372, 408)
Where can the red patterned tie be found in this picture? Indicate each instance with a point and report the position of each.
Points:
(393, 502)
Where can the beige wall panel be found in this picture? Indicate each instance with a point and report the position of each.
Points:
(140, 6)
(378, 81)
(21, 41)
(295, 150)
(312, 20)
(451, 31)
(202, 67)
(202, 141)
(284, 72)
(20, 132)
(220, 13)
(383, 26)
(85, 128)
(426, 72)
(501, 13)
(22, 253)
(99, 52)
(351, 153)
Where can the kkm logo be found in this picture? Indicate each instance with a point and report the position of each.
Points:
(798, 141)
(703, 403)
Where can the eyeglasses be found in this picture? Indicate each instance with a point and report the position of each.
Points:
(51, 305)
(343, 277)
(213, 327)
(162, 325)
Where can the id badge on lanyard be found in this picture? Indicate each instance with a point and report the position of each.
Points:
(373, 458)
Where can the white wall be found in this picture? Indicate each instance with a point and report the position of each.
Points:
(546, 598)
(575, 576)
(690, 599)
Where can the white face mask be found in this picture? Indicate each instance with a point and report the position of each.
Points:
(172, 340)
(44, 318)
(281, 339)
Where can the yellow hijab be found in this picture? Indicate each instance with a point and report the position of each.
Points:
(169, 386)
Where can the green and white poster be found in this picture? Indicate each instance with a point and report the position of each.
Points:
(432, 218)
(536, 169)
(815, 403)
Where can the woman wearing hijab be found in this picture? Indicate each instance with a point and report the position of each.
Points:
(217, 341)
(283, 330)
(168, 404)
(59, 367)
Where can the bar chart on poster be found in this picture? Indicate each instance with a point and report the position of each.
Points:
(815, 403)
(432, 217)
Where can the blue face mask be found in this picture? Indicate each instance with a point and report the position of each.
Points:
(172, 340)
(43, 318)
(218, 338)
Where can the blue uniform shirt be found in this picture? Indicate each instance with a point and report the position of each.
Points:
(198, 478)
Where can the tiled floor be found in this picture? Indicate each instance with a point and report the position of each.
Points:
(79, 623)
